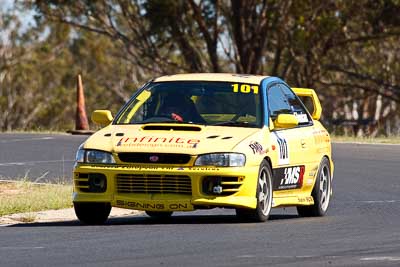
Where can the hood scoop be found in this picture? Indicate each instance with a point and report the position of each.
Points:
(171, 128)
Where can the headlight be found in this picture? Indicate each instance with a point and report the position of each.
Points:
(80, 155)
(221, 159)
(94, 156)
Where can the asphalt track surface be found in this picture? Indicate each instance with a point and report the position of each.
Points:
(362, 227)
(38, 157)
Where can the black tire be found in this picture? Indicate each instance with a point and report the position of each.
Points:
(159, 214)
(321, 193)
(92, 213)
(264, 197)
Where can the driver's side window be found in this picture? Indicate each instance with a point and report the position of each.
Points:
(282, 100)
(278, 102)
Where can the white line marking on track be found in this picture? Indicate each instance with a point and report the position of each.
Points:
(283, 257)
(32, 162)
(18, 248)
(379, 201)
(362, 143)
(383, 258)
(28, 139)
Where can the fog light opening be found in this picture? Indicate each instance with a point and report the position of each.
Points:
(221, 185)
(97, 183)
(217, 189)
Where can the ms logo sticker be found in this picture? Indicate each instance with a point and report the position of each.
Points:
(288, 178)
(283, 151)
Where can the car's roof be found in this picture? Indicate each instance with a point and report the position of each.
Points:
(218, 77)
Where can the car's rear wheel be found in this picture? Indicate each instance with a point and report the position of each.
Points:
(159, 214)
(264, 197)
(321, 193)
(92, 212)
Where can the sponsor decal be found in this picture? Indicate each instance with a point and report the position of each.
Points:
(302, 118)
(257, 148)
(283, 151)
(119, 142)
(157, 168)
(150, 168)
(288, 178)
(245, 88)
(153, 206)
(203, 169)
(320, 136)
(154, 158)
(308, 199)
(157, 141)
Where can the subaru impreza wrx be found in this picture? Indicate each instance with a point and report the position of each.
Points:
(200, 141)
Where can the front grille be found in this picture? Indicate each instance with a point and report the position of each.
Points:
(157, 158)
(150, 183)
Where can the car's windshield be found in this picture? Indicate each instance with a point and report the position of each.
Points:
(197, 102)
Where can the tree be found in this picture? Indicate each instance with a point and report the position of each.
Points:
(347, 50)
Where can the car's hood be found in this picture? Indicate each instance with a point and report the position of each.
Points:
(168, 138)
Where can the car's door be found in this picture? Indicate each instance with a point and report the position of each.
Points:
(295, 158)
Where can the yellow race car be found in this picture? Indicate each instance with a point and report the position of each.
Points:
(199, 141)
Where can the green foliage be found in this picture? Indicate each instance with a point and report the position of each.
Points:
(347, 50)
(39, 77)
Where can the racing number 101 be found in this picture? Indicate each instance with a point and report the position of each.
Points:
(245, 88)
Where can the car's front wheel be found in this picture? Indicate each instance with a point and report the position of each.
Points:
(264, 197)
(92, 212)
(321, 193)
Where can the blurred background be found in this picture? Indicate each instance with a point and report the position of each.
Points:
(348, 51)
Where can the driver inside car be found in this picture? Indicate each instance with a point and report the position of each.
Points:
(180, 107)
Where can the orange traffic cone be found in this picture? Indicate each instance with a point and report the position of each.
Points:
(81, 122)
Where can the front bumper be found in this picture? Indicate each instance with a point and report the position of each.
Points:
(152, 188)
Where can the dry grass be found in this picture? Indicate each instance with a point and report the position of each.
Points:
(23, 196)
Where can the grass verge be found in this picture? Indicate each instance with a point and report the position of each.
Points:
(25, 197)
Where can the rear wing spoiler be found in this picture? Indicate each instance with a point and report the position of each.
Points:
(305, 92)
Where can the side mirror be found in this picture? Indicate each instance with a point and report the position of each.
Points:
(285, 121)
(316, 115)
(102, 117)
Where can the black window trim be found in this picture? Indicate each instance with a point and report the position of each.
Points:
(311, 123)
